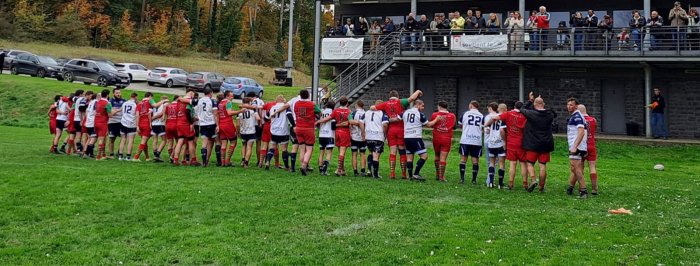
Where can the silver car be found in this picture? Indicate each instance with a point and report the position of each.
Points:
(202, 81)
(11, 54)
(167, 76)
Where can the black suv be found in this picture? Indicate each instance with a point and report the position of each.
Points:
(91, 71)
(36, 66)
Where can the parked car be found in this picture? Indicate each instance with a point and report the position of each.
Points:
(205, 80)
(90, 71)
(242, 86)
(62, 61)
(34, 65)
(168, 77)
(11, 55)
(136, 72)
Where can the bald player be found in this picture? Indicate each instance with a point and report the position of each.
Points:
(592, 153)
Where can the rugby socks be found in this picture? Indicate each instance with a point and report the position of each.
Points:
(375, 168)
(341, 164)
(63, 147)
(277, 158)
(492, 172)
(542, 181)
(90, 150)
(79, 146)
(443, 166)
(403, 159)
(419, 165)
(285, 159)
(71, 143)
(262, 156)
(475, 172)
(501, 176)
(293, 156)
(409, 167)
(101, 151)
(217, 152)
(54, 148)
(138, 153)
(324, 168)
(392, 165)
(222, 150)
(370, 164)
(437, 169)
(462, 171)
(204, 156)
(269, 155)
(594, 182)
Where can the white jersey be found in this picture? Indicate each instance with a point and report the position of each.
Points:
(576, 121)
(247, 121)
(472, 122)
(374, 125)
(64, 108)
(80, 102)
(356, 131)
(129, 114)
(326, 128)
(206, 110)
(279, 125)
(493, 132)
(160, 121)
(90, 114)
(291, 104)
(413, 122)
(257, 102)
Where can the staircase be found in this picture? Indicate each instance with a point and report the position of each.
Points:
(364, 73)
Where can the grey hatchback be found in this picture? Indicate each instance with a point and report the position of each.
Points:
(201, 81)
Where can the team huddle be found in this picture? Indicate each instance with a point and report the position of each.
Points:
(523, 135)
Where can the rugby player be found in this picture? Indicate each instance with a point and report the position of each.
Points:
(52, 116)
(340, 116)
(266, 133)
(376, 124)
(145, 117)
(358, 145)
(515, 124)
(90, 113)
(258, 106)
(247, 121)
(393, 109)
(185, 130)
(128, 131)
(305, 112)
(62, 111)
(592, 153)
(158, 129)
(74, 129)
(576, 133)
(538, 141)
(115, 121)
(413, 122)
(326, 137)
(103, 110)
(494, 143)
(228, 134)
(207, 113)
(279, 131)
(471, 142)
(443, 123)
(171, 126)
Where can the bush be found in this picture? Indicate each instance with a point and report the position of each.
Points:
(257, 53)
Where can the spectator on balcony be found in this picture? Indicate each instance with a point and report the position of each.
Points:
(469, 23)
(411, 27)
(493, 25)
(623, 39)
(679, 22)
(532, 26)
(592, 35)
(457, 21)
(362, 28)
(388, 26)
(578, 23)
(542, 20)
(506, 22)
(605, 28)
(480, 22)
(636, 27)
(348, 28)
(655, 22)
(562, 36)
(375, 30)
(693, 29)
(516, 29)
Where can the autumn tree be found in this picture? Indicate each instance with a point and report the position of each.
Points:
(123, 38)
(30, 21)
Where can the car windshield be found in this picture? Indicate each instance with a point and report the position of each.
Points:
(158, 70)
(47, 60)
(195, 76)
(105, 66)
(232, 80)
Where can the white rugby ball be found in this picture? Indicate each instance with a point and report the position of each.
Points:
(659, 167)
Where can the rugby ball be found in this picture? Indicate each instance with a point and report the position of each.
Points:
(659, 167)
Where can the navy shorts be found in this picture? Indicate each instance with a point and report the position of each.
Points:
(326, 143)
(497, 152)
(91, 132)
(578, 155)
(470, 150)
(77, 126)
(358, 145)
(158, 130)
(208, 131)
(247, 137)
(293, 136)
(60, 124)
(114, 129)
(128, 130)
(258, 132)
(415, 146)
(279, 139)
(375, 146)
(196, 131)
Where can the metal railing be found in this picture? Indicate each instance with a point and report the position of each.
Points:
(379, 56)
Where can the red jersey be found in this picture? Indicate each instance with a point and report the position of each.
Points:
(305, 112)
(143, 109)
(52, 112)
(102, 109)
(223, 108)
(171, 114)
(445, 128)
(183, 113)
(267, 108)
(393, 108)
(341, 115)
(591, 131)
(515, 123)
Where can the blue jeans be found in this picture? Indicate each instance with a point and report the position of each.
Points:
(578, 41)
(679, 36)
(652, 42)
(658, 125)
(637, 38)
(534, 41)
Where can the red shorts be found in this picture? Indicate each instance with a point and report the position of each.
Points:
(84, 128)
(305, 136)
(515, 155)
(227, 132)
(71, 126)
(592, 155)
(52, 126)
(266, 134)
(342, 138)
(171, 132)
(533, 156)
(101, 130)
(185, 131)
(395, 136)
(442, 145)
(145, 131)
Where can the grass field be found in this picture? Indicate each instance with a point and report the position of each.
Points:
(189, 63)
(62, 210)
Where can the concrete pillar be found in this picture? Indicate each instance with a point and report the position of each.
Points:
(414, 9)
(289, 64)
(412, 78)
(521, 83)
(317, 52)
(521, 7)
(647, 100)
(647, 9)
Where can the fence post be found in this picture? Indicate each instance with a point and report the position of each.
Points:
(572, 41)
(678, 40)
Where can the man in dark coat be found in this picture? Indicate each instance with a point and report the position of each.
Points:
(538, 141)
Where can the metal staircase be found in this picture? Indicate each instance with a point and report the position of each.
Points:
(364, 73)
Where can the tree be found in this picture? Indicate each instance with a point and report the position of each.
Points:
(30, 21)
(181, 33)
(212, 23)
(124, 33)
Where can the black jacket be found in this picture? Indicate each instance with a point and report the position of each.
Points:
(411, 25)
(662, 104)
(537, 135)
(423, 25)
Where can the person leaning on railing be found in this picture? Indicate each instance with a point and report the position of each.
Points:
(457, 21)
(605, 28)
(362, 27)
(592, 35)
(374, 31)
(493, 25)
(388, 26)
(532, 32)
(578, 23)
(636, 27)
(655, 22)
(423, 26)
(693, 29)
(516, 28)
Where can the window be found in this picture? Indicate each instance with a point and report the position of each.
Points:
(175, 72)
(32, 58)
(622, 18)
(556, 17)
(91, 65)
(134, 67)
(211, 76)
(233, 81)
(22, 57)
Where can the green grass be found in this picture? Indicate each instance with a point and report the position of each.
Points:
(63, 210)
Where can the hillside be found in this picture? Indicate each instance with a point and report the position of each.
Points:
(189, 63)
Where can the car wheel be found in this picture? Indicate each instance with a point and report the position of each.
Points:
(68, 76)
(131, 78)
(102, 81)
(169, 83)
(151, 83)
(260, 94)
(41, 73)
(13, 70)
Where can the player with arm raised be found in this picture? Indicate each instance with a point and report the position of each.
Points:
(393, 108)
(413, 121)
